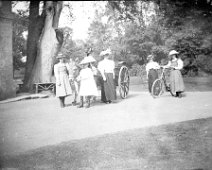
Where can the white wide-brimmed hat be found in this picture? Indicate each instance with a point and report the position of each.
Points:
(91, 58)
(87, 60)
(108, 51)
(173, 52)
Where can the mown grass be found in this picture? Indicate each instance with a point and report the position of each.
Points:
(181, 146)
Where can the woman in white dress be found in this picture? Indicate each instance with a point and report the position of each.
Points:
(61, 72)
(88, 86)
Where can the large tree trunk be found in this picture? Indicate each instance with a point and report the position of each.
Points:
(58, 9)
(48, 46)
(35, 28)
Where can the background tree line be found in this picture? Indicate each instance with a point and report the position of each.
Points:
(132, 29)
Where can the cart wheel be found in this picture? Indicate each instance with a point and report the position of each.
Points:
(123, 82)
(157, 88)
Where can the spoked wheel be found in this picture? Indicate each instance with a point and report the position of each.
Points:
(157, 88)
(124, 82)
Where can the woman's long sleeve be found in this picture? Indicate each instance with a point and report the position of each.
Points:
(101, 70)
(179, 64)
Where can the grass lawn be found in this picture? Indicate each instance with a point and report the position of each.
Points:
(181, 146)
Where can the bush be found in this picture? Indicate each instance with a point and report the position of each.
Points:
(138, 70)
(205, 63)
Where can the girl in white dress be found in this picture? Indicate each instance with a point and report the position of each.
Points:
(88, 86)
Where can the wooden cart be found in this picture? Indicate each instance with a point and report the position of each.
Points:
(122, 79)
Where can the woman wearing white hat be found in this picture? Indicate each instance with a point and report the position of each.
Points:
(106, 68)
(88, 86)
(61, 71)
(176, 79)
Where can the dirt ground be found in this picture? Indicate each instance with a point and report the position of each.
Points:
(164, 133)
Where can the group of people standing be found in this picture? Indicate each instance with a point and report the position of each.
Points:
(175, 64)
(80, 79)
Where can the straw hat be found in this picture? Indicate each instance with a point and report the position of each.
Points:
(103, 53)
(91, 59)
(60, 55)
(87, 60)
(173, 52)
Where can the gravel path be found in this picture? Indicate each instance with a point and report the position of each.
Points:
(31, 124)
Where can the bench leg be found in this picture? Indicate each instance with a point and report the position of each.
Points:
(36, 88)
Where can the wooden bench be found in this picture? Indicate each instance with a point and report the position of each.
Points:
(45, 87)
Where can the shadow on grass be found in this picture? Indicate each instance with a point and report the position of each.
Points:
(185, 145)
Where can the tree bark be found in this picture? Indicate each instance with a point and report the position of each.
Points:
(58, 9)
(35, 27)
(48, 46)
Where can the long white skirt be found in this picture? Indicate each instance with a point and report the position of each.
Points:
(64, 89)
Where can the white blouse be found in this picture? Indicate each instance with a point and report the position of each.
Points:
(152, 65)
(106, 66)
(179, 64)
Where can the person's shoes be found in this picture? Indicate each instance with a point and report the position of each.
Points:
(87, 106)
(114, 101)
(88, 103)
(81, 103)
(74, 103)
(62, 105)
(168, 88)
(94, 99)
(80, 106)
(180, 95)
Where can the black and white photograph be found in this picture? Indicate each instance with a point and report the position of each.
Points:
(106, 85)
